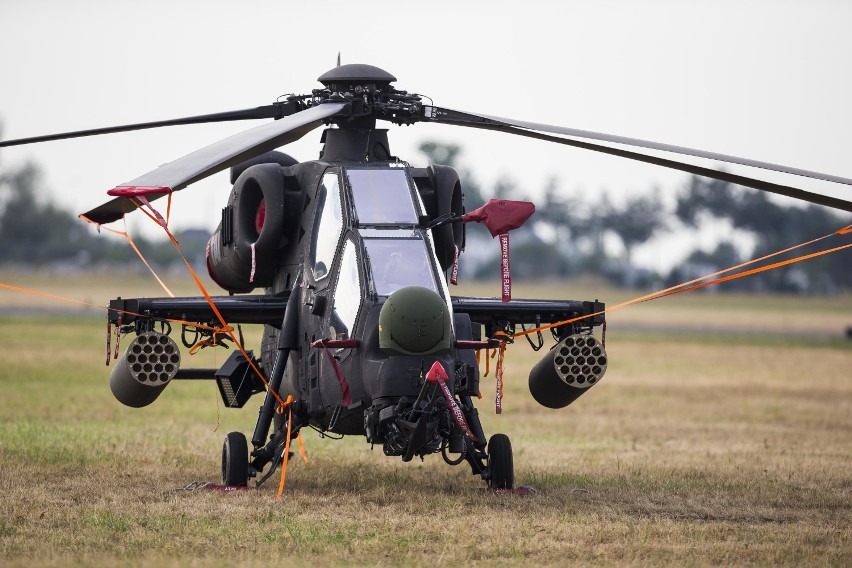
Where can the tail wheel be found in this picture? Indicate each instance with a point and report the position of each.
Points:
(500, 464)
(235, 466)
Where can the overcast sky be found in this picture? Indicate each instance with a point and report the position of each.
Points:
(767, 80)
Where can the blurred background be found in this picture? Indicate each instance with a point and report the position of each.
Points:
(765, 80)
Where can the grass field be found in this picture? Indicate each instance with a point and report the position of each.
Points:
(722, 434)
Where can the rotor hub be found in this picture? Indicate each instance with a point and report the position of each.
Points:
(356, 78)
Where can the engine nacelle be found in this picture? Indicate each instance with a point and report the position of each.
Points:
(242, 253)
(151, 360)
(448, 199)
(568, 370)
(441, 192)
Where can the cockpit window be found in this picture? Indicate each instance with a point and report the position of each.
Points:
(328, 227)
(397, 263)
(382, 197)
(347, 296)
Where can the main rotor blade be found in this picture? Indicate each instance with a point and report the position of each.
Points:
(216, 157)
(588, 134)
(448, 116)
(778, 189)
(268, 111)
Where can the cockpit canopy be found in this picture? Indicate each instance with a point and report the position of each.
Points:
(382, 197)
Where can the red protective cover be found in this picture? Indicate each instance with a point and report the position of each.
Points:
(501, 215)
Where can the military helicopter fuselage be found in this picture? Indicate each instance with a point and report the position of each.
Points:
(356, 308)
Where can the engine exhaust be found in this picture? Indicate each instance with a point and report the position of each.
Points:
(151, 360)
(568, 370)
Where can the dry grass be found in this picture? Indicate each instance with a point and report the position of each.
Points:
(695, 450)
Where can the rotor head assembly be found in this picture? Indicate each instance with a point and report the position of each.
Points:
(356, 78)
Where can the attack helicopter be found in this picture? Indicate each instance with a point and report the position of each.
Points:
(354, 252)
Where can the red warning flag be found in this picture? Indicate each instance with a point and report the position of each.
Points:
(501, 216)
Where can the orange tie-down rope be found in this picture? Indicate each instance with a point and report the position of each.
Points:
(282, 404)
(224, 327)
(697, 282)
(132, 244)
(677, 289)
(280, 409)
(498, 375)
(97, 307)
(680, 288)
(285, 458)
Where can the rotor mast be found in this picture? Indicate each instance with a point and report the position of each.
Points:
(356, 138)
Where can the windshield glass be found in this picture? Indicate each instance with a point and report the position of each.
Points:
(328, 227)
(382, 197)
(397, 263)
(347, 296)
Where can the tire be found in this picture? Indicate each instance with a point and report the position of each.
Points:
(500, 464)
(235, 460)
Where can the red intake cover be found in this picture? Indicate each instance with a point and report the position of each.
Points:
(501, 215)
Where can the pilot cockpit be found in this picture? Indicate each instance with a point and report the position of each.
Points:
(399, 254)
(395, 251)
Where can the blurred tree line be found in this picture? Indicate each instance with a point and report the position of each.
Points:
(37, 233)
(569, 235)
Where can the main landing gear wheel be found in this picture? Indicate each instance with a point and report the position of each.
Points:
(500, 464)
(235, 465)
